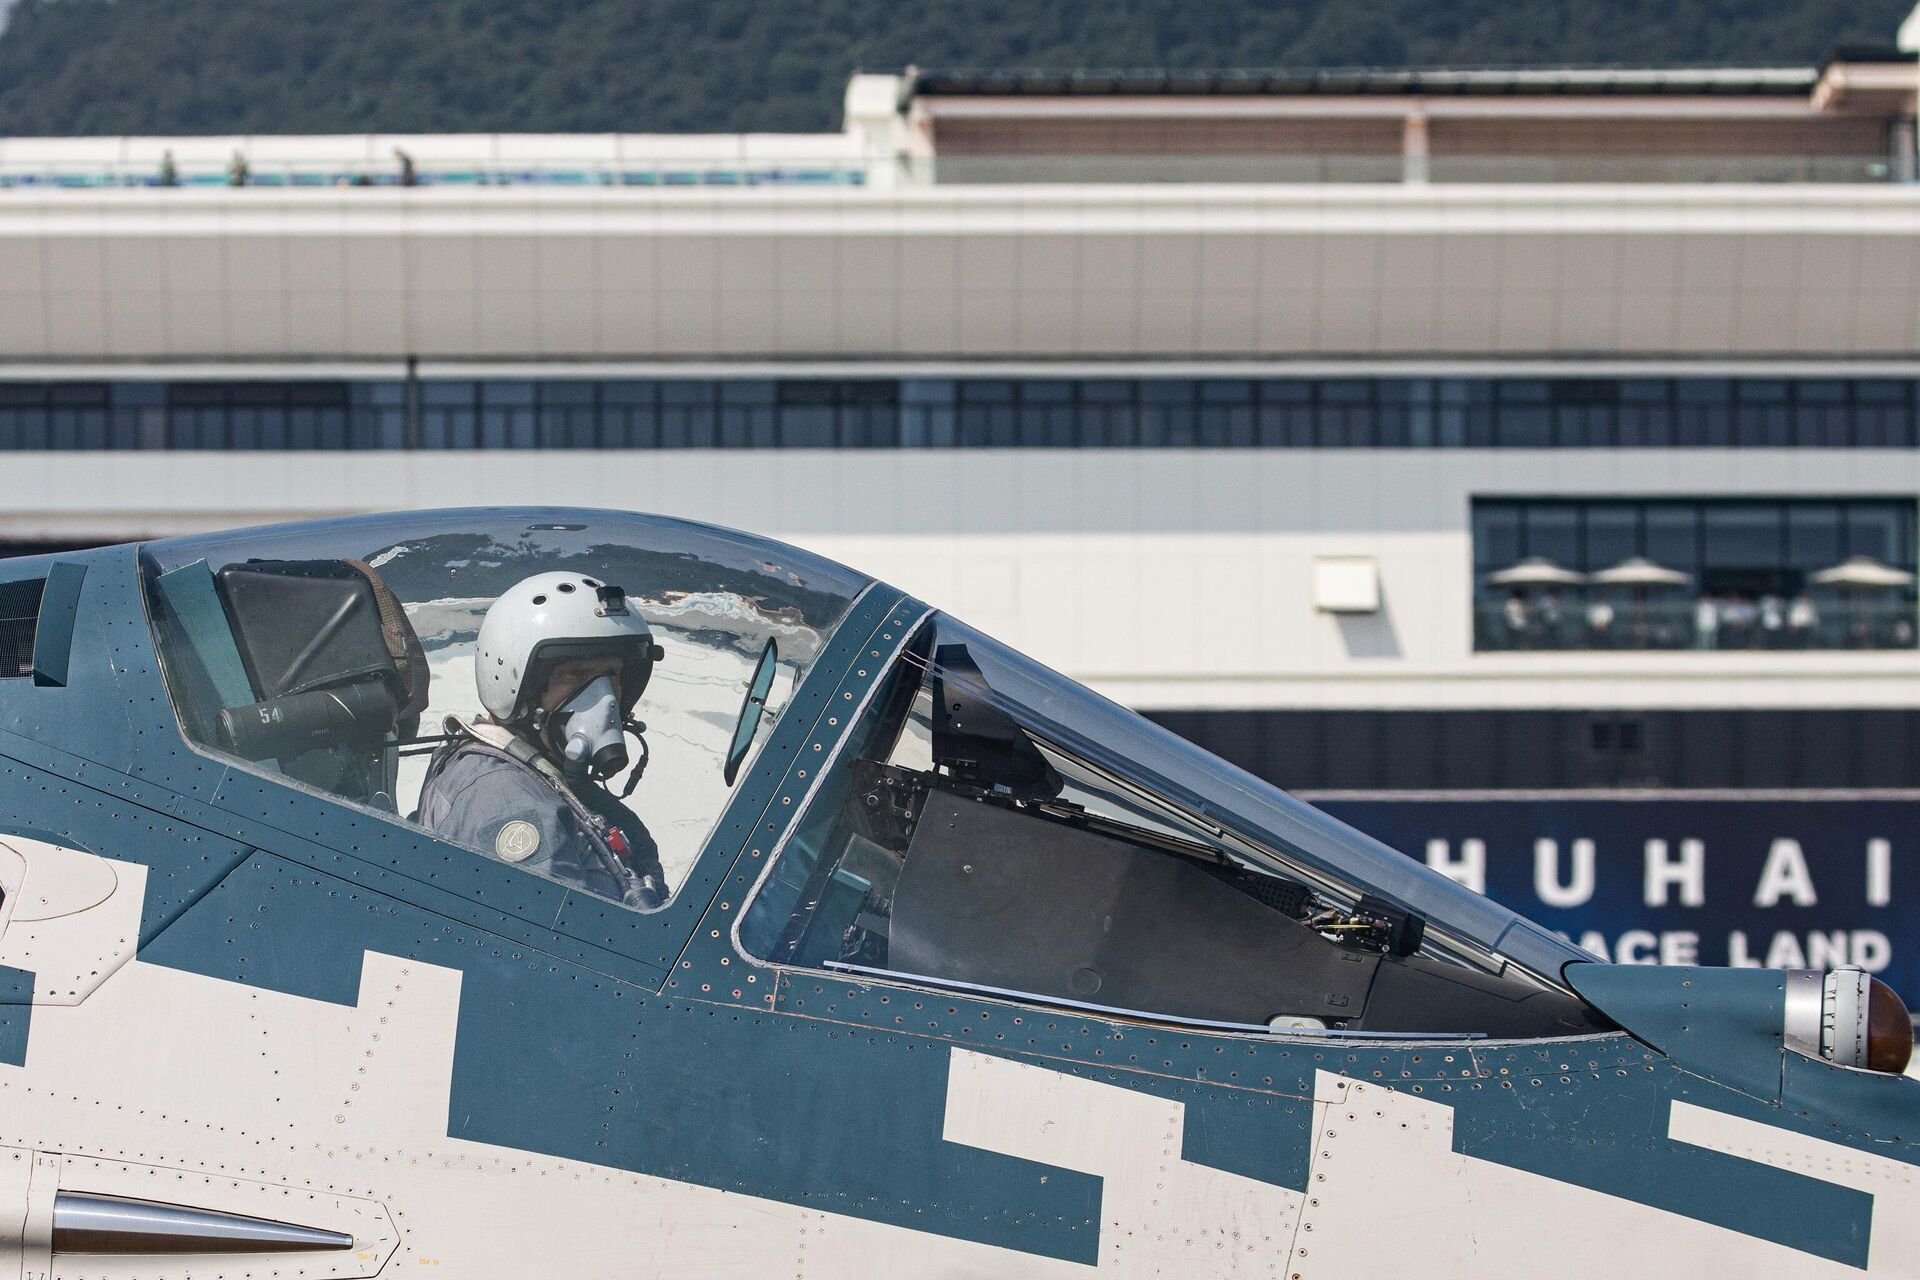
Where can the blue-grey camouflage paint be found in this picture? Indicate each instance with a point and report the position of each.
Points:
(619, 1039)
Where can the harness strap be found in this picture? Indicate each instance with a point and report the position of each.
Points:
(502, 743)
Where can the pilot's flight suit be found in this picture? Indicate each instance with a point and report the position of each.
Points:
(507, 801)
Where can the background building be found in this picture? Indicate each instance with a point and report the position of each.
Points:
(1522, 463)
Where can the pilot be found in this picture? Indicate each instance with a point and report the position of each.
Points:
(560, 662)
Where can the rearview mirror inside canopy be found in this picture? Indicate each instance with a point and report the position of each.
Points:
(752, 708)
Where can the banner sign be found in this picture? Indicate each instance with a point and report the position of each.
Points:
(1787, 884)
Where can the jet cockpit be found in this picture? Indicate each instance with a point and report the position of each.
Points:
(982, 823)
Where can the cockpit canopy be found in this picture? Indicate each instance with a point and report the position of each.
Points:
(993, 827)
(333, 653)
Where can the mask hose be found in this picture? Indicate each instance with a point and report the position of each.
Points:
(639, 731)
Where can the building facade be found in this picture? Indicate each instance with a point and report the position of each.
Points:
(1523, 464)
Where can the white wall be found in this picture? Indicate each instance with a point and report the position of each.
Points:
(1041, 271)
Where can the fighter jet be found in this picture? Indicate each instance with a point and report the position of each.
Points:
(542, 892)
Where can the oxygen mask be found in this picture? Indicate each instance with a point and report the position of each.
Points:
(591, 731)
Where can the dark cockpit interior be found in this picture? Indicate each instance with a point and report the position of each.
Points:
(963, 848)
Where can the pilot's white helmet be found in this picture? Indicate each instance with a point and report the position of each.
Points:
(540, 620)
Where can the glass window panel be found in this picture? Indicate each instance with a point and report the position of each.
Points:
(1763, 418)
(1883, 414)
(1226, 391)
(926, 426)
(927, 391)
(1047, 417)
(65, 429)
(1703, 412)
(123, 429)
(36, 428)
(988, 426)
(506, 394)
(137, 395)
(1227, 426)
(804, 426)
(1390, 422)
(1168, 425)
(1583, 426)
(1423, 421)
(1286, 391)
(274, 429)
(1287, 426)
(1816, 535)
(801, 391)
(994, 391)
(565, 391)
(1672, 535)
(1046, 391)
(74, 395)
(1108, 425)
(437, 394)
(876, 392)
(1345, 417)
(1882, 530)
(750, 426)
(448, 415)
(1743, 535)
(1496, 536)
(327, 427)
(629, 393)
(1525, 420)
(1049, 426)
(687, 414)
(561, 427)
(1612, 535)
(870, 426)
(1553, 531)
(710, 600)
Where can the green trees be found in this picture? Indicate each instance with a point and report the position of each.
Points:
(287, 66)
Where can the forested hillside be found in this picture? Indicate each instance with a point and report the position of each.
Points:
(283, 66)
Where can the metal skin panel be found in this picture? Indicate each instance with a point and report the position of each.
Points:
(292, 951)
(1727, 1025)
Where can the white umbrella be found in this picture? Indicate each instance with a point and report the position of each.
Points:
(1638, 571)
(1861, 574)
(1863, 571)
(1536, 571)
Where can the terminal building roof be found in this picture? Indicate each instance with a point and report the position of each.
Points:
(1097, 82)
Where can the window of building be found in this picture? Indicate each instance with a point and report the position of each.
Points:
(1758, 749)
(1673, 574)
(347, 657)
(985, 413)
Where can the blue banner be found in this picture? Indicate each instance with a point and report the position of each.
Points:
(1776, 883)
